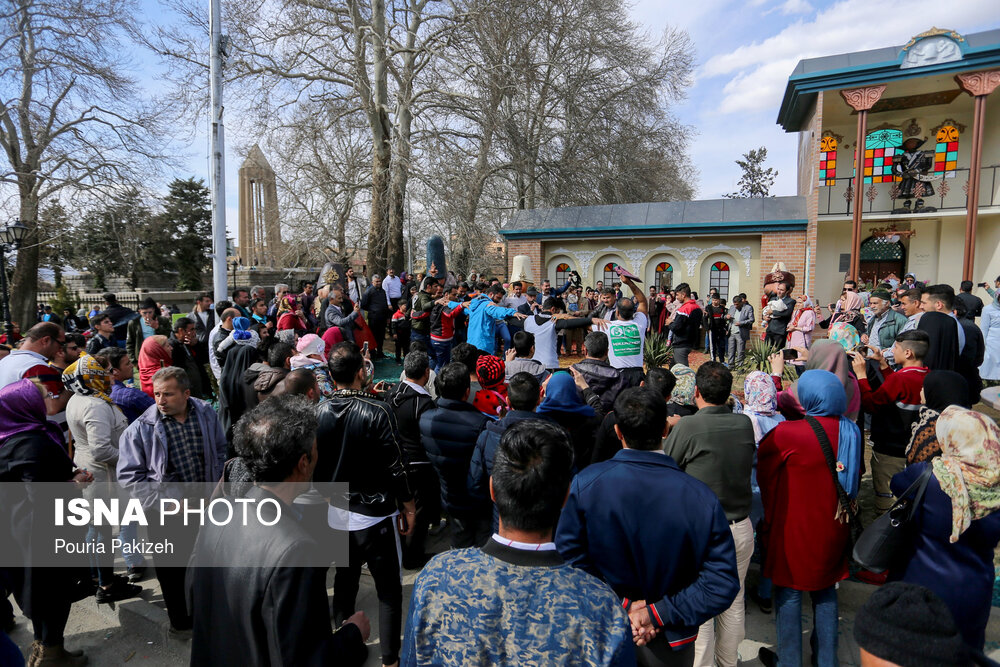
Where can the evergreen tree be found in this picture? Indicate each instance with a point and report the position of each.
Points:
(188, 216)
(756, 181)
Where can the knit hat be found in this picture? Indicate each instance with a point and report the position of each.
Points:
(490, 371)
(881, 294)
(909, 626)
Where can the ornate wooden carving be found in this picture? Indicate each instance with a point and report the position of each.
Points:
(863, 99)
(979, 83)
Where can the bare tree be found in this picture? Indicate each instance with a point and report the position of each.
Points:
(71, 117)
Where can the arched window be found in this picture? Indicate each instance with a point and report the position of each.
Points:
(562, 274)
(719, 279)
(827, 160)
(610, 277)
(664, 275)
(880, 147)
(946, 149)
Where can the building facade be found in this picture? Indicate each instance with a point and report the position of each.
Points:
(926, 200)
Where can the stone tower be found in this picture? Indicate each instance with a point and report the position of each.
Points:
(259, 230)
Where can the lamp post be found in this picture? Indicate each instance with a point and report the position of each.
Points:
(11, 237)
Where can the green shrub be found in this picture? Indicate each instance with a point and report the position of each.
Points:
(658, 352)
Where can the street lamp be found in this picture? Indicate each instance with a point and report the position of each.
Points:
(11, 237)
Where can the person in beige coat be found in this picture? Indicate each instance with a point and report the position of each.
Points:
(97, 425)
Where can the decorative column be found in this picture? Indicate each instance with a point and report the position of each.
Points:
(979, 85)
(861, 100)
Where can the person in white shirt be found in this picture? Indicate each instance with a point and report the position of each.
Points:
(516, 298)
(543, 327)
(393, 287)
(627, 335)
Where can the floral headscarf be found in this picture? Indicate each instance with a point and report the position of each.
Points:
(845, 334)
(968, 469)
(288, 304)
(683, 393)
(760, 393)
(86, 377)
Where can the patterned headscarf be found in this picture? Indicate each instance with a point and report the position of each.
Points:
(683, 393)
(288, 304)
(760, 393)
(968, 469)
(86, 377)
(845, 334)
(853, 303)
(490, 371)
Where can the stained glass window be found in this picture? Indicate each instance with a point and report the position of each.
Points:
(880, 147)
(827, 161)
(562, 274)
(610, 277)
(664, 275)
(946, 149)
(719, 279)
(881, 249)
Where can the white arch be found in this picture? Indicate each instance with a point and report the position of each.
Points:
(598, 267)
(649, 270)
(556, 260)
(704, 274)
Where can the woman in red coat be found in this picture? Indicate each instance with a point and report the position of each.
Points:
(806, 544)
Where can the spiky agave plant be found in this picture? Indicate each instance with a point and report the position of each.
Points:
(758, 358)
(658, 352)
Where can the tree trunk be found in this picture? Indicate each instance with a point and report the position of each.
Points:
(24, 287)
(378, 230)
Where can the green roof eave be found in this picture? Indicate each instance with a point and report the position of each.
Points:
(689, 229)
(801, 90)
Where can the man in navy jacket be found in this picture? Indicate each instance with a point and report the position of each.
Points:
(657, 536)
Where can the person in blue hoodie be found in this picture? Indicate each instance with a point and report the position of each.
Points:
(484, 311)
(657, 536)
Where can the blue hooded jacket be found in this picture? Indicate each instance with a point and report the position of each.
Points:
(483, 314)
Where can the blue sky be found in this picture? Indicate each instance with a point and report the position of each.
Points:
(745, 51)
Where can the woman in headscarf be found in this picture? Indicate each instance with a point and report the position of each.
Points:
(957, 523)
(290, 315)
(682, 399)
(849, 312)
(312, 355)
(943, 352)
(232, 388)
(941, 389)
(807, 544)
(579, 413)
(32, 449)
(827, 355)
(97, 425)
(153, 355)
(803, 322)
(761, 406)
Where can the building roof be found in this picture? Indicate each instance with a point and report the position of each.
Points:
(980, 50)
(711, 216)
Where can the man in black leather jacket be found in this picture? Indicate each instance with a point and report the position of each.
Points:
(359, 445)
(258, 596)
(410, 399)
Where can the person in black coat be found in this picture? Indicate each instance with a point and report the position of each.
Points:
(260, 589)
(376, 303)
(449, 433)
(32, 449)
(409, 400)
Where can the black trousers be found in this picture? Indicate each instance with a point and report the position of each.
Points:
(377, 546)
(718, 345)
(681, 355)
(658, 653)
(777, 340)
(428, 490)
(470, 531)
(171, 577)
(377, 324)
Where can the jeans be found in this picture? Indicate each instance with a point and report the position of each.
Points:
(719, 638)
(504, 331)
(823, 640)
(441, 353)
(421, 337)
(128, 533)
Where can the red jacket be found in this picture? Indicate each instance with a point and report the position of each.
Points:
(806, 545)
(894, 407)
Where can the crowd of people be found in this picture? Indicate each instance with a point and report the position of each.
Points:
(599, 510)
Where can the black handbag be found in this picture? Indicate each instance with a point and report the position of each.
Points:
(883, 542)
(848, 509)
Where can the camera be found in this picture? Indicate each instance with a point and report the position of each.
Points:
(982, 285)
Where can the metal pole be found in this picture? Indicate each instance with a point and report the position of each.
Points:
(217, 148)
(858, 193)
(7, 324)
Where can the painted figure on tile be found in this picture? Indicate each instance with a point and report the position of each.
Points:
(913, 166)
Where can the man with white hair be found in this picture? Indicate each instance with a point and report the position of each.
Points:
(280, 290)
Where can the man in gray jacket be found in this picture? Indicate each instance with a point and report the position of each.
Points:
(178, 440)
(740, 318)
